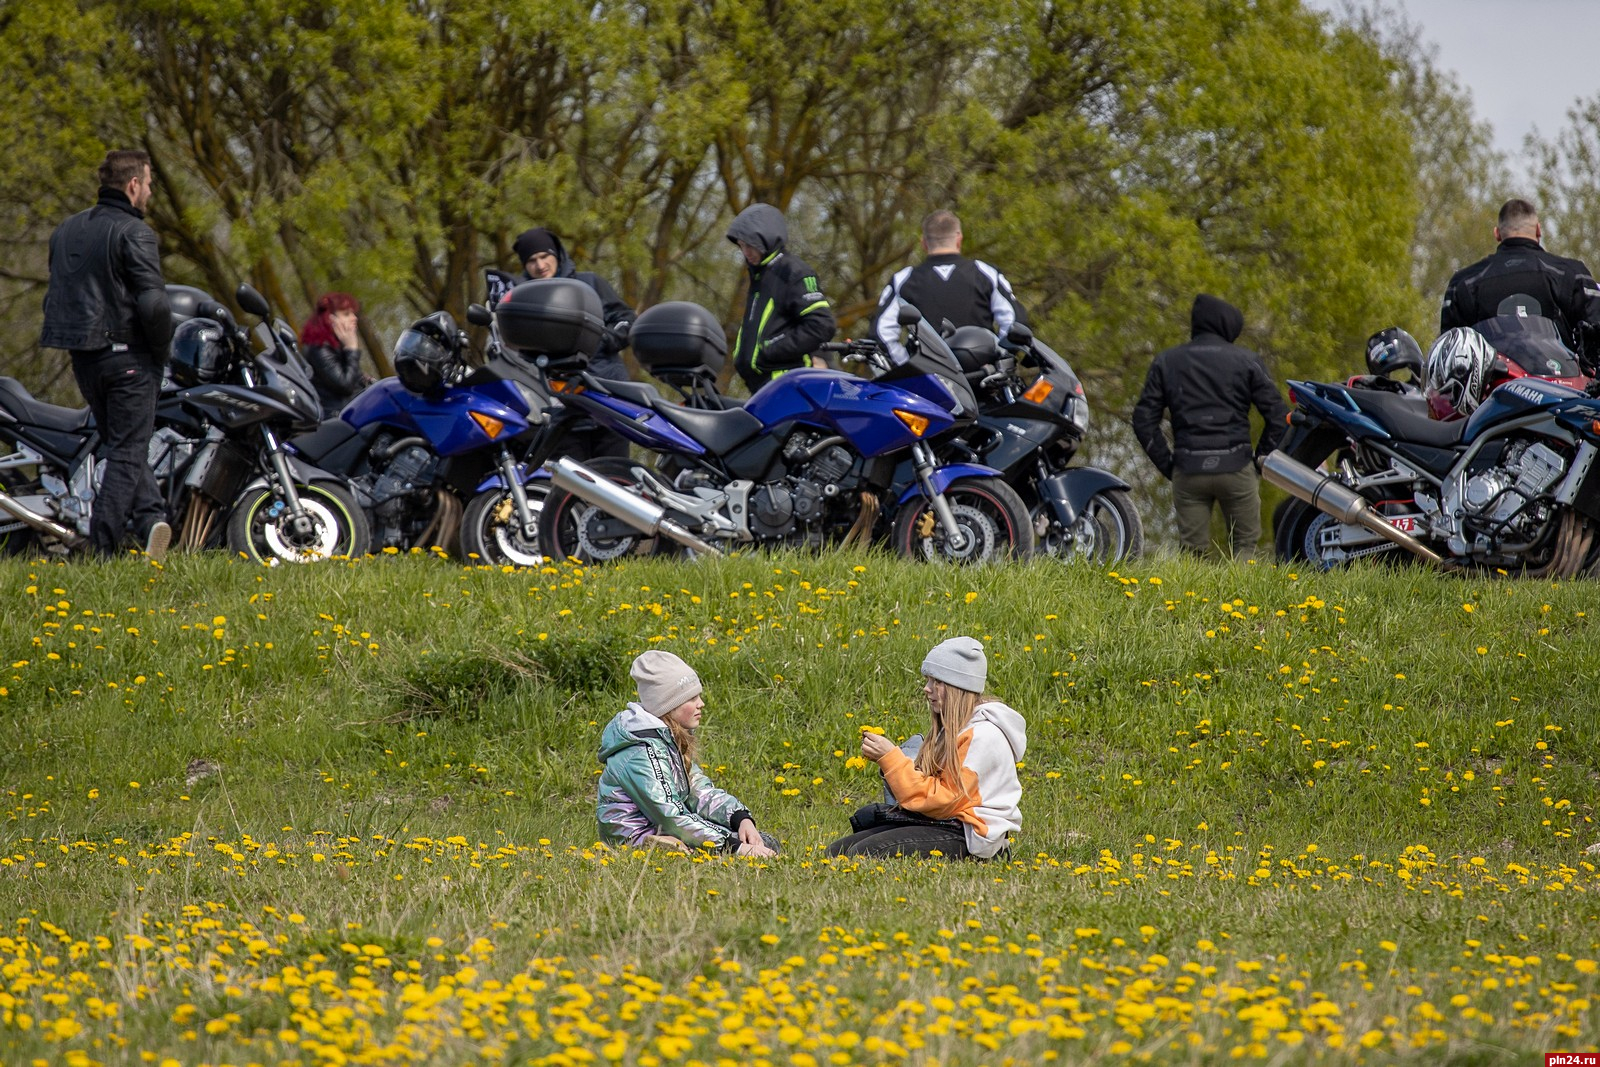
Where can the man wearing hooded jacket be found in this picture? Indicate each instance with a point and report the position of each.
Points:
(1207, 388)
(786, 316)
(542, 255)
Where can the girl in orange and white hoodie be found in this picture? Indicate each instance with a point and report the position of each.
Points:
(959, 796)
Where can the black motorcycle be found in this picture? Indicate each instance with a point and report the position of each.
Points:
(1032, 418)
(226, 460)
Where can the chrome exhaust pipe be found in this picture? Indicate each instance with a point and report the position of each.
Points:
(1333, 497)
(613, 499)
(49, 527)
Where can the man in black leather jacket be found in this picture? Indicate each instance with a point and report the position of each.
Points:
(1565, 289)
(1207, 386)
(107, 304)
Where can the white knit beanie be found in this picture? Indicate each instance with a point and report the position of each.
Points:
(664, 680)
(959, 662)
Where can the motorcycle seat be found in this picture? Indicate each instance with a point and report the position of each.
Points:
(719, 431)
(1403, 417)
(21, 403)
(639, 393)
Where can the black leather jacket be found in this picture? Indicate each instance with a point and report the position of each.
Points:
(1565, 288)
(105, 282)
(337, 374)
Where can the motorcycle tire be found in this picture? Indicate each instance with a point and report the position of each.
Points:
(988, 511)
(567, 522)
(490, 532)
(258, 526)
(1108, 529)
(1290, 521)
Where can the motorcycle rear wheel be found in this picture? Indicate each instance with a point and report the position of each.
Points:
(490, 531)
(571, 527)
(259, 526)
(987, 510)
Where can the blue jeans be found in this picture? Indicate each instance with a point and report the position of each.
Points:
(121, 390)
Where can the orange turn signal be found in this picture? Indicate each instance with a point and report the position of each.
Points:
(491, 425)
(914, 422)
(1038, 391)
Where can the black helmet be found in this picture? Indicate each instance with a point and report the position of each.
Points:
(974, 348)
(200, 352)
(424, 351)
(1394, 349)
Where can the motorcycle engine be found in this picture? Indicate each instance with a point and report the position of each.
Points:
(1499, 500)
(408, 472)
(778, 508)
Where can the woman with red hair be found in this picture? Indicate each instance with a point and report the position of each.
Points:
(332, 346)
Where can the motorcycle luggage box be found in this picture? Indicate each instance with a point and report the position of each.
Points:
(560, 318)
(677, 338)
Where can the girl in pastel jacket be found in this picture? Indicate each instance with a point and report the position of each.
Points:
(651, 791)
(959, 797)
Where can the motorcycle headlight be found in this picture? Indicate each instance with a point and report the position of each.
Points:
(1079, 414)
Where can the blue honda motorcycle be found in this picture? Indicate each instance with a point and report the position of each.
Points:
(807, 461)
(435, 454)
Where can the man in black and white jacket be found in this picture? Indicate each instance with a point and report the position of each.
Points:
(946, 286)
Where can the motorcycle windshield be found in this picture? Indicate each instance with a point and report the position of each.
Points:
(931, 358)
(1533, 343)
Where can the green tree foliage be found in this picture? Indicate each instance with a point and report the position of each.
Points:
(1567, 180)
(1112, 156)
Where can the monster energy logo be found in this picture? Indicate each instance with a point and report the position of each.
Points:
(811, 283)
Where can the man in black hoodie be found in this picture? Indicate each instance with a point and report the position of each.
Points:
(542, 255)
(107, 304)
(785, 316)
(1207, 387)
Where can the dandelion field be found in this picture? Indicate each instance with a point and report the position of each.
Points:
(344, 815)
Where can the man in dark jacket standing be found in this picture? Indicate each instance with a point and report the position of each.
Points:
(785, 316)
(1207, 388)
(544, 256)
(107, 304)
(1564, 288)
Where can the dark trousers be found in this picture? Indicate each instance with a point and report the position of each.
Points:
(121, 390)
(907, 834)
(1238, 493)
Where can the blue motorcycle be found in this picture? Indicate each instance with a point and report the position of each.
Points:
(807, 461)
(435, 454)
(1514, 487)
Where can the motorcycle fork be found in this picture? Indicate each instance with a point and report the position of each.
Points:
(519, 495)
(280, 469)
(922, 461)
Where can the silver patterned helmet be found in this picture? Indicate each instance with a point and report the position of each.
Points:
(1458, 373)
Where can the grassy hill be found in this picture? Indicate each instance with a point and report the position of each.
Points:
(345, 814)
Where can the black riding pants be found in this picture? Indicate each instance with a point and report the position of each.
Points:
(121, 389)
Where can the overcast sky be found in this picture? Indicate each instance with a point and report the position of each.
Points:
(1525, 61)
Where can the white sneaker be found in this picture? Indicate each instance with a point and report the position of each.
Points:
(157, 543)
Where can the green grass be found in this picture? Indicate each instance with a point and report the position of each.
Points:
(1266, 814)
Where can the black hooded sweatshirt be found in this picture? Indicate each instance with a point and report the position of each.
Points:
(607, 362)
(1207, 387)
(786, 316)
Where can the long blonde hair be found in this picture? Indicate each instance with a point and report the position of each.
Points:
(683, 737)
(940, 755)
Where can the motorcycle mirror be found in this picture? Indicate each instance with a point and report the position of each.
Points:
(252, 301)
(479, 315)
(909, 316)
(221, 314)
(1019, 335)
(947, 329)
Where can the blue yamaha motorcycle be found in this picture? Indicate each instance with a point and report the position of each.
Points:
(806, 461)
(435, 454)
(1514, 487)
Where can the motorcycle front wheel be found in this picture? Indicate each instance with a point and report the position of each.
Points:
(262, 528)
(992, 518)
(1107, 529)
(490, 530)
(572, 528)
